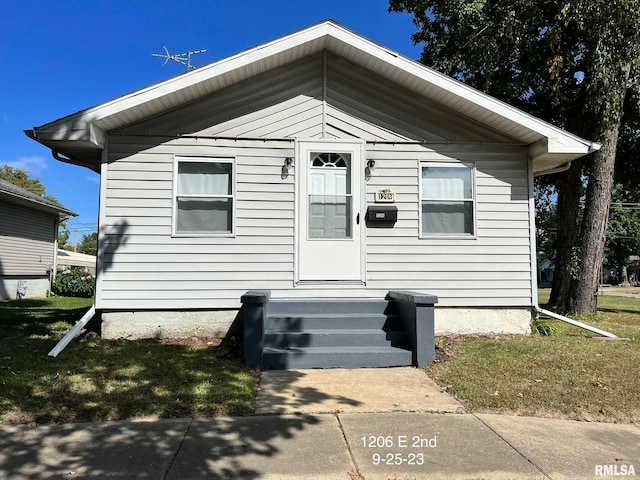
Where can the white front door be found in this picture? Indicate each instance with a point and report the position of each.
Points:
(329, 211)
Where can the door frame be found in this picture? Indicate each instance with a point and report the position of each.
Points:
(299, 236)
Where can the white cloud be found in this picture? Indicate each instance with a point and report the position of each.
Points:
(33, 165)
(93, 178)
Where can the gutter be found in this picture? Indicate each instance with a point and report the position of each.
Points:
(73, 332)
(560, 169)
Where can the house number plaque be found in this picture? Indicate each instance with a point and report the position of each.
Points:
(385, 195)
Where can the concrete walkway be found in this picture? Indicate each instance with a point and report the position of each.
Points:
(349, 443)
(370, 390)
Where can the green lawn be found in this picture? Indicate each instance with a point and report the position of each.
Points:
(95, 380)
(567, 376)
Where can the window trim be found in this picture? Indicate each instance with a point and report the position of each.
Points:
(177, 159)
(468, 165)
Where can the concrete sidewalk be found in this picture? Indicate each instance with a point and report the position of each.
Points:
(326, 446)
(328, 424)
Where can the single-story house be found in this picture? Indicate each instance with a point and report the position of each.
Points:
(28, 242)
(317, 166)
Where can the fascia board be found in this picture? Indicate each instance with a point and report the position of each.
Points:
(562, 147)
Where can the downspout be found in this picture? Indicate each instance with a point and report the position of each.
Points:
(572, 321)
(534, 271)
(80, 324)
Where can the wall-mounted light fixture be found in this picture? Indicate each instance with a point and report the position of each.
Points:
(288, 163)
(369, 168)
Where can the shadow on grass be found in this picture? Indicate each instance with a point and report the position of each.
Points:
(96, 380)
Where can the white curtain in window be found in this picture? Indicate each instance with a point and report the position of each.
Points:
(210, 178)
(446, 183)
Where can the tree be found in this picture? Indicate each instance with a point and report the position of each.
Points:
(89, 244)
(570, 63)
(21, 178)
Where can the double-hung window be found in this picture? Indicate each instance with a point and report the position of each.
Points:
(447, 195)
(204, 200)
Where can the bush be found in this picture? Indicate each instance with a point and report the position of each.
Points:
(545, 328)
(75, 282)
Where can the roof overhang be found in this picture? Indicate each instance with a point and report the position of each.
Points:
(81, 136)
(30, 201)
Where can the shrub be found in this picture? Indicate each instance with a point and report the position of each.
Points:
(74, 282)
(545, 328)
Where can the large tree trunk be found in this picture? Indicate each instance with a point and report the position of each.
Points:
(569, 193)
(584, 288)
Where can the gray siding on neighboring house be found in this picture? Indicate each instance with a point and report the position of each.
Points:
(26, 241)
(144, 267)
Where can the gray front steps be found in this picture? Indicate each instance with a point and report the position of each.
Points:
(335, 357)
(338, 337)
(334, 334)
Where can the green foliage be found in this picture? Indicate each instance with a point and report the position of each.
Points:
(623, 232)
(63, 238)
(545, 328)
(89, 244)
(75, 282)
(21, 179)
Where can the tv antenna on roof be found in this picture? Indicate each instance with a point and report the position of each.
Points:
(181, 58)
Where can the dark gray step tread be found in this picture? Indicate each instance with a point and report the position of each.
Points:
(336, 350)
(330, 315)
(334, 331)
(338, 307)
(328, 300)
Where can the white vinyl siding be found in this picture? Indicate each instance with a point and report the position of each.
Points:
(492, 269)
(26, 241)
(204, 196)
(145, 266)
(447, 198)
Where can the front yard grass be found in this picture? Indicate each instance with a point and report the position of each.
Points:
(97, 380)
(570, 376)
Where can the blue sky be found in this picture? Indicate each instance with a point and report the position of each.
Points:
(58, 57)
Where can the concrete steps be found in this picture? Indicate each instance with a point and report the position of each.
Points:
(334, 334)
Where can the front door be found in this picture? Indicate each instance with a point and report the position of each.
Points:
(329, 217)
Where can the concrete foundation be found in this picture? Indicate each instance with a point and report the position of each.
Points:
(183, 324)
(167, 324)
(34, 287)
(483, 321)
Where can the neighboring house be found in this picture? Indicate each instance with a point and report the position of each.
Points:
(546, 270)
(68, 259)
(28, 242)
(283, 167)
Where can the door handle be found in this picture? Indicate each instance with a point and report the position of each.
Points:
(358, 219)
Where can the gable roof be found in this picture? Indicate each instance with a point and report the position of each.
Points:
(19, 196)
(81, 136)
